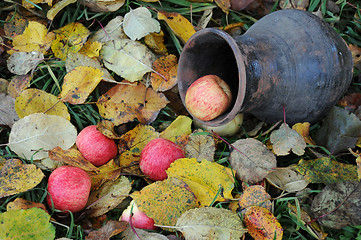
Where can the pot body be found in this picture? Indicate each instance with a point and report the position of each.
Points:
(290, 63)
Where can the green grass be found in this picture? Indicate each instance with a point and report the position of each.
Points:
(50, 73)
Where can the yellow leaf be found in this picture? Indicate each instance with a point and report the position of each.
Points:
(125, 102)
(165, 201)
(107, 172)
(160, 77)
(21, 203)
(180, 126)
(57, 8)
(262, 224)
(72, 157)
(34, 38)
(79, 83)
(34, 100)
(91, 49)
(358, 143)
(27, 4)
(155, 41)
(255, 195)
(132, 143)
(179, 24)
(304, 130)
(205, 179)
(69, 38)
(16, 177)
(224, 5)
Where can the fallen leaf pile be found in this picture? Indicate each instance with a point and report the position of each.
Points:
(116, 67)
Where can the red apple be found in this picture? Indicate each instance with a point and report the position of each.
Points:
(69, 188)
(157, 156)
(138, 218)
(208, 97)
(96, 147)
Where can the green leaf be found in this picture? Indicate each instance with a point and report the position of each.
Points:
(30, 224)
(326, 170)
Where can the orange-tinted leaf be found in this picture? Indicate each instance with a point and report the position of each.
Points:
(255, 195)
(110, 229)
(179, 24)
(79, 83)
(126, 102)
(165, 201)
(34, 100)
(155, 41)
(21, 203)
(34, 38)
(225, 5)
(161, 79)
(204, 178)
(132, 143)
(69, 38)
(72, 157)
(304, 130)
(351, 101)
(262, 224)
(15, 24)
(356, 54)
(18, 84)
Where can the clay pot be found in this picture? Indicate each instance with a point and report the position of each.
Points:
(289, 59)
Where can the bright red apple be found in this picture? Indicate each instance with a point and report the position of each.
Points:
(138, 218)
(69, 188)
(95, 146)
(208, 97)
(157, 156)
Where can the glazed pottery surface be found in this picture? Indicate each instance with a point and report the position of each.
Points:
(289, 61)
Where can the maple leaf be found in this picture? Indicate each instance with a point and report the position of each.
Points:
(284, 140)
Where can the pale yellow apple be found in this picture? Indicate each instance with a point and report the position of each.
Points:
(226, 130)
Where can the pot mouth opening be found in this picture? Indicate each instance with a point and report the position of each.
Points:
(213, 52)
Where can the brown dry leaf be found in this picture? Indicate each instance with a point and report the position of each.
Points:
(130, 234)
(262, 224)
(205, 179)
(132, 143)
(294, 4)
(91, 49)
(255, 195)
(21, 203)
(103, 6)
(210, 223)
(107, 129)
(107, 172)
(287, 180)
(16, 177)
(176, 131)
(155, 41)
(27, 4)
(358, 163)
(165, 201)
(79, 83)
(179, 24)
(160, 78)
(356, 55)
(34, 38)
(15, 24)
(201, 145)
(251, 160)
(108, 196)
(304, 130)
(33, 100)
(284, 140)
(72, 157)
(125, 102)
(225, 5)
(18, 84)
(302, 216)
(112, 31)
(57, 8)
(8, 115)
(110, 229)
(351, 101)
(69, 38)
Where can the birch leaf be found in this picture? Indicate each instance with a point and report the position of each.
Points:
(139, 23)
(41, 132)
(210, 223)
(127, 58)
(21, 63)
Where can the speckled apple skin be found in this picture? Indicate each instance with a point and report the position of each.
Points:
(96, 147)
(157, 156)
(69, 188)
(139, 218)
(208, 97)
